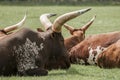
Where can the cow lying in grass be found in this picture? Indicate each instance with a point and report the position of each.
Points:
(88, 50)
(110, 58)
(26, 52)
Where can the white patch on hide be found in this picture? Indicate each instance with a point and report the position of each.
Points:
(26, 54)
(93, 57)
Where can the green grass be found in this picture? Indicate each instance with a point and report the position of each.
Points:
(107, 20)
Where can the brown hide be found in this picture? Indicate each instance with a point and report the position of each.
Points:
(110, 58)
(80, 52)
(26, 52)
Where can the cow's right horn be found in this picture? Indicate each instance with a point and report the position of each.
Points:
(45, 21)
(16, 26)
(64, 18)
(85, 27)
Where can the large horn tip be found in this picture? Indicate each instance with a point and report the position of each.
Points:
(84, 10)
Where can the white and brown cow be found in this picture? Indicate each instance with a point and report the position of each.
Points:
(88, 50)
(27, 52)
(8, 30)
(110, 58)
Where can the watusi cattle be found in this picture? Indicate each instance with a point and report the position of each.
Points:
(8, 30)
(26, 52)
(88, 50)
(77, 35)
(110, 58)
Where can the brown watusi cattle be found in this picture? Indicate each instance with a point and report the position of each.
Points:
(77, 35)
(88, 50)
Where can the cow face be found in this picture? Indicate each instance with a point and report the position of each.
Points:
(58, 57)
(79, 33)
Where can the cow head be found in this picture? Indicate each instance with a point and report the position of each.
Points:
(7, 30)
(79, 33)
(58, 54)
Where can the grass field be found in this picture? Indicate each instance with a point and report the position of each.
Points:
(107, 20)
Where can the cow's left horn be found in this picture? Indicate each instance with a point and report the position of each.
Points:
(45, 21)
(16, 26)
(64, 18)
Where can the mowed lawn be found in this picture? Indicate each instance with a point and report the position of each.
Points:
(107, 20)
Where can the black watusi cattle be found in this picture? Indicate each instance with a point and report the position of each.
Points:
(26, 52)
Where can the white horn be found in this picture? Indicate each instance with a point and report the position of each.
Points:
(16, 26)
(45, 21)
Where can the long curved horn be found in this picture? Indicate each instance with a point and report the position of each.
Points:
(45, 21)
(85, 27)
(68, 27)
(64, 18)
(16, 26)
